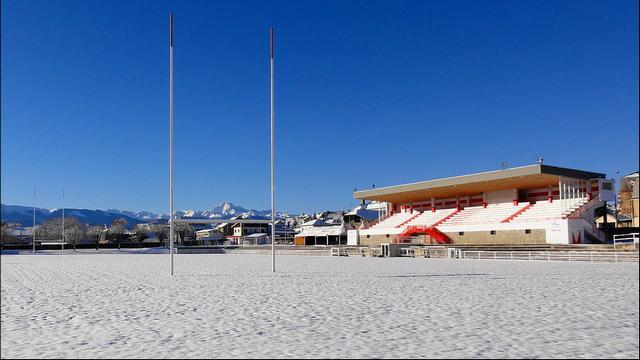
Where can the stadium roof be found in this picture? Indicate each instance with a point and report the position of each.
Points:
(523, 177)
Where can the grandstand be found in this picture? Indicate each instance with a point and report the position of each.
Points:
(535, 204)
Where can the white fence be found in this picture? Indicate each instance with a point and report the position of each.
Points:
(333, 251)
(625, 239)
(345, 251)
(323, 252)
(589, 256)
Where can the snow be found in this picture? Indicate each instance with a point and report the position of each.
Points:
(365, 214)
(16, 213)
(335, 230)
(125, 305)
(188, 213)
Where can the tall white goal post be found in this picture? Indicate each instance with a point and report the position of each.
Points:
(172, 219)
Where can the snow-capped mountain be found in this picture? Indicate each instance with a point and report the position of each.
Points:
(24, 215)
(224, 210)
(142, 215)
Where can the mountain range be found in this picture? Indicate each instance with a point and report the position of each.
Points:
(224, 210)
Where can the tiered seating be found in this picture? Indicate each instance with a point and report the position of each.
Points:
(394, 220)
(493, 213)
(429, 217)
(545, 210)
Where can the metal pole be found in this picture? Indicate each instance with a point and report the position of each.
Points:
(615, 203)
(273, 184)
(171, 142)
(63, 220)
(560, 192)
(33, 230)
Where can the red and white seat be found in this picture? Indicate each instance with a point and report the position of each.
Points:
(493, 213)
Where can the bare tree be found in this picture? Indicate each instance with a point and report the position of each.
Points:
(50, 230)
(117, 229)
(161, 231)
(5, 235)
(74, 231)
(140, 234)
(182, 230)
(8, 237)
(95, 233)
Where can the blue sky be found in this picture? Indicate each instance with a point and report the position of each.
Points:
(366, 93)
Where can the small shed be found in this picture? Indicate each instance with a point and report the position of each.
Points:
(209, 236)
(256, 239)
(322, 235)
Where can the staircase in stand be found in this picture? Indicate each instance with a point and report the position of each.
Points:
(514, 215)
(409, 219)
(436, 234)
(447, 217)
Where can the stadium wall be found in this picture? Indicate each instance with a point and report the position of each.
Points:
(555, 231)
(376, 240)
(504, 237)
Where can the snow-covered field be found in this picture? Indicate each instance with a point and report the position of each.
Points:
(125, 305)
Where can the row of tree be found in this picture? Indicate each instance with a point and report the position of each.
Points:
(76, 231)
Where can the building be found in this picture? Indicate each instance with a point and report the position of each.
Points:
(535, 204)
(364, 214)
(232, 229)
(628, 198)
(209, 236)
(243, 229)
(623, 221)
(255, 239)
(322, 234)
(284, 231)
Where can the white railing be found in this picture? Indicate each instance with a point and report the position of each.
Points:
(371, 251)
(625, 238)
(414, 251)
(345, 251)
(323, 252)
(424, 251)
(408, 252)
(589, 256)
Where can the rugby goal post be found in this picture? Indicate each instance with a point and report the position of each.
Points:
(172, 218)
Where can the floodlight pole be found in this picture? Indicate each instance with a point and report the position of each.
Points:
(63, 221)
(273, 184)
(33, 230)
(171, 142)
